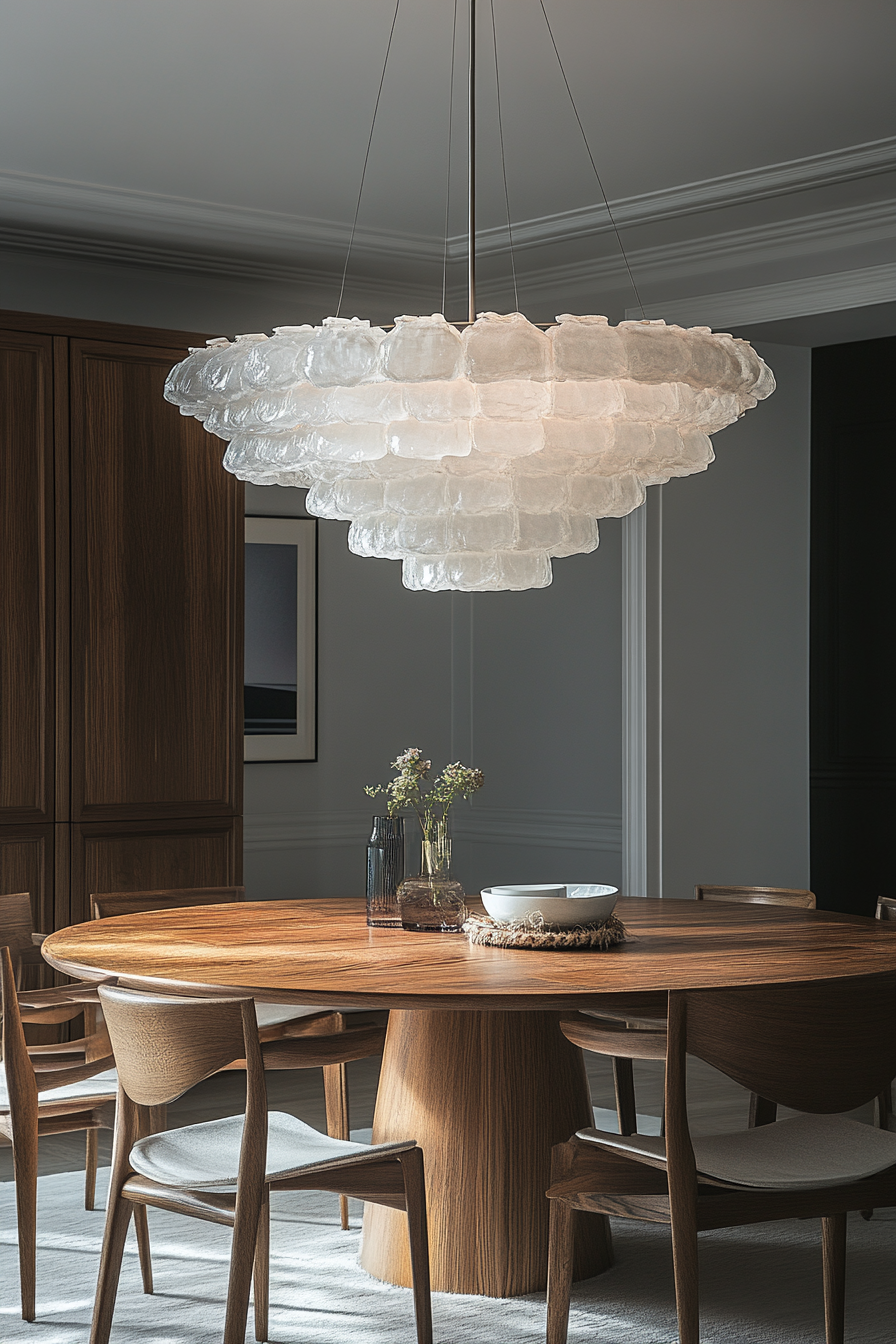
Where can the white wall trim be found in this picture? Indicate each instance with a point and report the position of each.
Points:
(790, 298)
(856, 227)
(634, 702)
(498, 826)
(90, 221)
(91, 206)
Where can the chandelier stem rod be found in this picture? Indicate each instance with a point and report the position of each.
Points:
(471, 170)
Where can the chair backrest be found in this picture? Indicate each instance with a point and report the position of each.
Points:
(164, 1045)
(886, 907)
(817, 1046)
(795, 896)
(105, 904)
(16, 926)
(24, 1082)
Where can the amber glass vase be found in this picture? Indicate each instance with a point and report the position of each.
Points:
(432, 902)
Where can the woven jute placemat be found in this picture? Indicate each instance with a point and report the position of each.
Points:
(533, 933)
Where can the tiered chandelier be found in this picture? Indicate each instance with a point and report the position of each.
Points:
(473, 452)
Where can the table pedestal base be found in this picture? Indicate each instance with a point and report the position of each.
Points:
(486, 1095)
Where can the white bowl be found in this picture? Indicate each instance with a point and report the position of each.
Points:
(576, 903)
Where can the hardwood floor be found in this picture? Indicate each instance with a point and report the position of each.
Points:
(716, 1104)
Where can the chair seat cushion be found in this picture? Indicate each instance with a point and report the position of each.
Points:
(207, 1156)
(102, 1085)
(801, 1152)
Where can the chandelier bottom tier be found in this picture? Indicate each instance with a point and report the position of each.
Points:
(474, 457)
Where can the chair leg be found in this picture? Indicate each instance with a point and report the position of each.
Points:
(833, 1246)
(624, 1079)
(336, 1100)
(418, 1236)
(561, 1248)
(261, 1275)
(684, 1259)
(242, 1262)
(118, 1215)
(141, 1227)
(91, 1146)
(25, 1171)
(762, 1112)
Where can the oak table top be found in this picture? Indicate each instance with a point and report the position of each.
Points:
(475, 1067)
(321, 951)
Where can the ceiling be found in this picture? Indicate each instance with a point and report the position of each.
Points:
(749, 152)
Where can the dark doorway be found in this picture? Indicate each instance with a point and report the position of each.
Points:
(853, 625)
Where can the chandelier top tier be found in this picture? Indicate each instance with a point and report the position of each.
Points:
(472, 456)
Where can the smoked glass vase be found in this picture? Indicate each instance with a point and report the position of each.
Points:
(385, 871)
(432, 902)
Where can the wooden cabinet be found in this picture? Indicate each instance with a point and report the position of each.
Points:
(121, 541)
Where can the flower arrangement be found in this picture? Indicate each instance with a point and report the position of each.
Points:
(430, 804)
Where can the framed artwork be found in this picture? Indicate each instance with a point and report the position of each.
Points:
(280, 679)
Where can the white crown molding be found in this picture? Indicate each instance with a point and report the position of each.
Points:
(791, 298)
(692, 198)
(499, 826)
(855, 227)
(76, 213)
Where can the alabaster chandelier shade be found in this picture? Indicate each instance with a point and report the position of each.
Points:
(474, 457)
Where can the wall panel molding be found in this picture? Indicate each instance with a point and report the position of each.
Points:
(484, 825)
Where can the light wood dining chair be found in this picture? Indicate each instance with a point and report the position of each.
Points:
(50, 1007)
(18, 934)
(274, 1019)
(813, 1047)
(636, 1032)
(50, 1090)
(223, 1170)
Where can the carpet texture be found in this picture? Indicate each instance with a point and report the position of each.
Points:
(759, 1285)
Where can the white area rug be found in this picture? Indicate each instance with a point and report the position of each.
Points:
(759, 1285)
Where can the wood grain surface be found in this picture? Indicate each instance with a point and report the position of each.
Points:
(487, 1086)
(323, 952)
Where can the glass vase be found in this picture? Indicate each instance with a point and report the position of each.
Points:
(385, 871)
(432, 902)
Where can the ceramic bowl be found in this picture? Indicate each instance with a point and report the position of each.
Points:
(566, 906)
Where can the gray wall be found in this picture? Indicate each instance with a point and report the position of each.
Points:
(524, 685)
(735, 649)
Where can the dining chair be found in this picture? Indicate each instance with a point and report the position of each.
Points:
(223, 1170)
(274, 1019)
(50, 1090)
(812, 1047)
(642, 1024)
(51, 1006)
(18, 934)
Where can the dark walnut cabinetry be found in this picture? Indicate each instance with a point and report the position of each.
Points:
(121, 616)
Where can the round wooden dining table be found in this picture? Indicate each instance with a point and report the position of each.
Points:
(475, 1067)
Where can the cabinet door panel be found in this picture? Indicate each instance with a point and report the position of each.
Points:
(157, 580)
(26, 579)
(26, 864)
(153, 856)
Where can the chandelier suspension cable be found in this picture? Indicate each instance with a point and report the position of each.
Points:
(471, 169)
(591, 158)
(366, 158)
(516, 297)
(448, 172)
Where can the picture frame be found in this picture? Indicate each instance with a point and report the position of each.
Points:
(280, 659)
